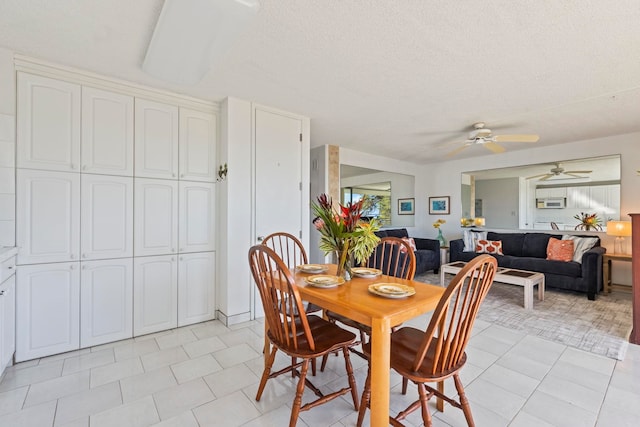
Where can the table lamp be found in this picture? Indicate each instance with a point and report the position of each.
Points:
(620, 229)
(479, 222)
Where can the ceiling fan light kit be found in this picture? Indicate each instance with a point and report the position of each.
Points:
(484, 137)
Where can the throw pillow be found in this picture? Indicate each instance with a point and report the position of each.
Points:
(560, 250)
(489, 247)
(471, 237)
(411, 242)
(580, 245)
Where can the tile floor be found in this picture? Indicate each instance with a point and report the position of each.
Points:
(207, 375)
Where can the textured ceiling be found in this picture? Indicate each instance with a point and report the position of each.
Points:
(397, 78)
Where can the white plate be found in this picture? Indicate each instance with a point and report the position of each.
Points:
(312, 268)
(324, 281)
(366, 272)
(392, 290)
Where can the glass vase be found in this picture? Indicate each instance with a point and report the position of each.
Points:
(344, 264)
(443, 241)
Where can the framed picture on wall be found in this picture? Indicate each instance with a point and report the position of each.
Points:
(439, 205)
(406, 206)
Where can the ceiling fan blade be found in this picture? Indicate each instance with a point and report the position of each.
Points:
(457, 150)
(574, 175)
(492, 146)
(549, 175)
(516, 138)
(538, 176)
(578, 171)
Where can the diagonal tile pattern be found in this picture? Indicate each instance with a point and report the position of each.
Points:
(207, 374)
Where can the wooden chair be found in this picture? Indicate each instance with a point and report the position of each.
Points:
(291, 331)
(291, 251)
(394, 257)
(438, 353)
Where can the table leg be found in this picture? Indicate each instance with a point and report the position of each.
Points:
(380, 370)
(541, 289)
(607, 275)
(528, 296)
(441, 276)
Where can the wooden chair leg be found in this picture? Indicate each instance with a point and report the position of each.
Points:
(293, 370)
(267, 371)
(366, 397)
(424, 405)
(405, 382)
(464, 402)
(324, 362)
(313, 367)
(352, 379)
(297, 400)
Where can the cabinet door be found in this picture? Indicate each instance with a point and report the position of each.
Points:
(8, 321)
(106, 301)
(196, 231)
(598, 198)
(107, 217)
(47, 310)
(156, 217)
(155, 294)
(48, 133)
(198, 135)
(107, 132)
(578, 197)
(156, 136)
(196, 288)
(48, 211)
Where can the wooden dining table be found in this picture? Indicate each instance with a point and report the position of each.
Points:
(353, 300)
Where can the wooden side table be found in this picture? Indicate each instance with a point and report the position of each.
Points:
(444, 255)
(606, 267)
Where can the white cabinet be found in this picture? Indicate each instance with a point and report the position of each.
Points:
(198, 136)
(107, 132)
(106, 301)
(156, 140)
(155, 294)
(553, 192)
(155, 217)
(197, 217)
(7, 312)
(48, 127)
(48, 209)
(107, 217)
(196, 288)
(578, 197)
(47, 315)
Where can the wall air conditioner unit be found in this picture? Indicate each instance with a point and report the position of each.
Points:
(551, 203)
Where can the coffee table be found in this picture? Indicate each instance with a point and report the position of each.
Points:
(511, 276)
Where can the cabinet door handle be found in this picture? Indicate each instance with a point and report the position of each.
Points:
(10, 267)
(84, 167)
(73, 166)
(71, 267)
(181, 175)
(72, 256)
(1, 293)
(173, 175)
(84, 255)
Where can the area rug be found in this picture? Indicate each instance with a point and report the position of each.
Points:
(601, 326)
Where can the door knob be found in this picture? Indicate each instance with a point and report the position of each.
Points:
(260, 238)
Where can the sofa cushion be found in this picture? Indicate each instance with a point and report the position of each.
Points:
(581, 245)
(471, 237)
(489, 247)
(397, 232)
(511, 242)
(560, 250)
(412, 243)
(535, 244)
(571, 268)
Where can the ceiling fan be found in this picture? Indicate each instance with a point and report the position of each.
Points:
(484, 137)
(557, 171)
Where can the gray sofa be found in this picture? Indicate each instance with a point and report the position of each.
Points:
(528, 251)
(427, 250)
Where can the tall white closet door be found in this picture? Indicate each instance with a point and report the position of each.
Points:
(106, 217)
(48, 210)
(48, 131)
(156, 136)
(106, 301)
(196, 288)
(197, 226)
(47, 313)
(155, 217)
(198, 135)
(8, 321)
(107, 132)
(155, 294)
